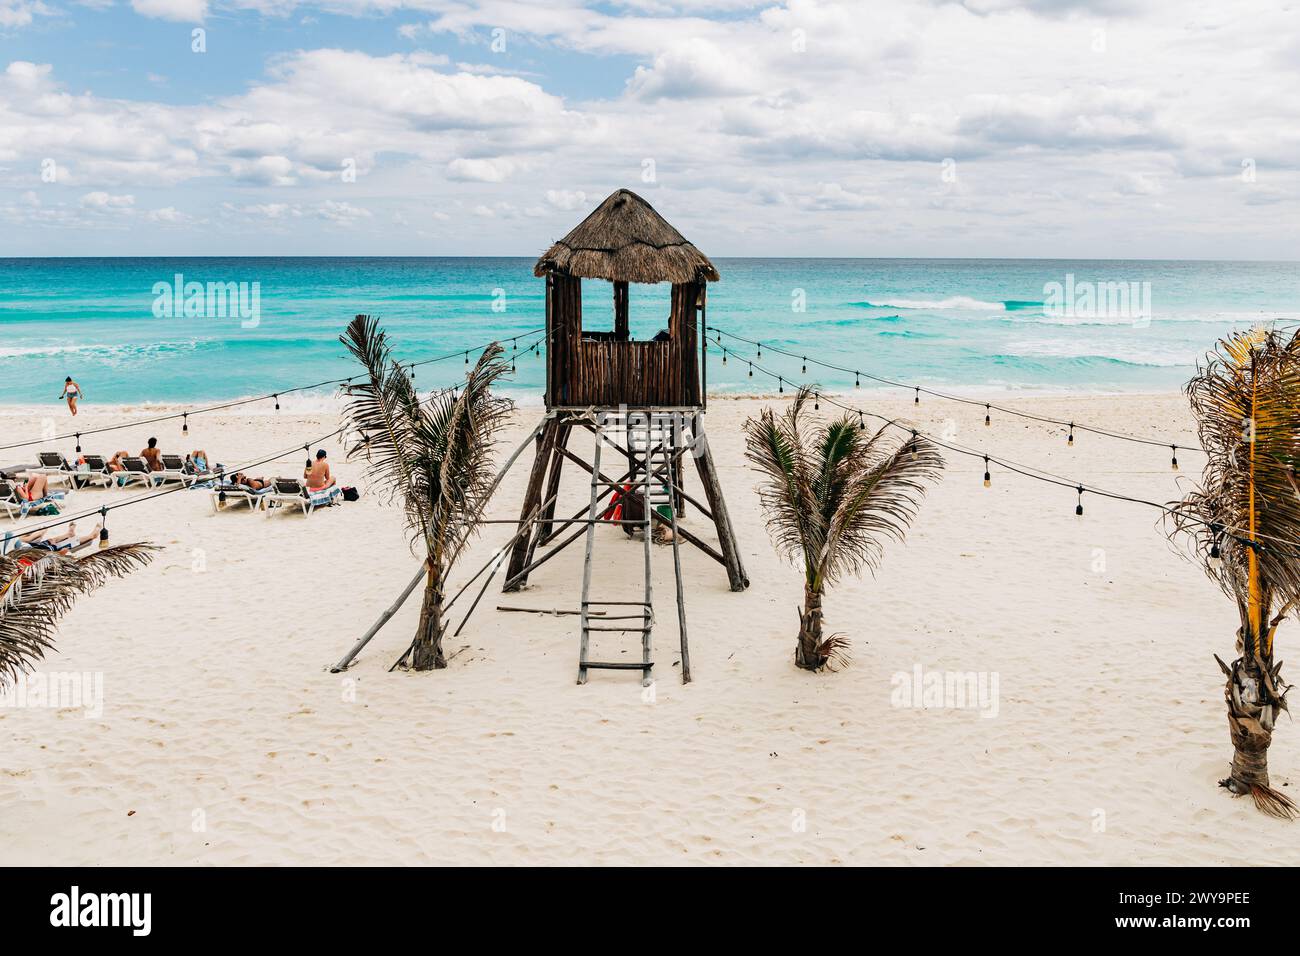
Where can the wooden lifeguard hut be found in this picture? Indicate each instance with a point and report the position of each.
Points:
(644, 400)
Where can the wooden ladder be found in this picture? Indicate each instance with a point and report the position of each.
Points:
(646, 615)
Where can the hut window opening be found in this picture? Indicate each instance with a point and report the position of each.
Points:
(623, 312)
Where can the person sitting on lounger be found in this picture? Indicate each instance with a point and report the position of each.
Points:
(318, 476)
(115, 463)
(198, 461)
(49, 540)
(34, 488)
(257, 484)
(152, 456)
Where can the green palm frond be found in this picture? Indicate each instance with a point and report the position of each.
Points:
(37, 587)
(433, 455)
(831, 500)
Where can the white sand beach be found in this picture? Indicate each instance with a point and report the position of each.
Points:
(224, 739)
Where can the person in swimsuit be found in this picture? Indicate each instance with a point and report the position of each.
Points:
(34, 488)
(48, 540)
(72, 392)
(257, 484)
(152, 456)
(115, 463)
(318, 476)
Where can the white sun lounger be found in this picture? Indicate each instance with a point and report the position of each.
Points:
(291, 491)
(55, 467)
(173, 469)
(136, 471)
(230, 494)
(17, 507)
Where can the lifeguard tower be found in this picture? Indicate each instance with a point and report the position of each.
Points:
(642, 400)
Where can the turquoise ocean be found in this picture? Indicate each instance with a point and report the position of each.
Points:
(974, 326)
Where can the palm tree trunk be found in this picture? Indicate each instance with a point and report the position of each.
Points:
(427, 653)
(1251, 713)
(807, 653)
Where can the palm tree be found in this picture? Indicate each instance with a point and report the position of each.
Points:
(37, 587)
(1242, 524)
(434, 456)
(831, 499)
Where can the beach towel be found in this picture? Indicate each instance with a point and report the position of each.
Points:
(325, 496)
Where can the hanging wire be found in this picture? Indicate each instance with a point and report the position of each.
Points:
(1038, 474)
(248, 401)
(917, 390)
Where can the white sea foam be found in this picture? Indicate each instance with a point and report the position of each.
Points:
(962, 302)
(1107, 351)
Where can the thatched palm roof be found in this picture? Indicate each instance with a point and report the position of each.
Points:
(625, 240)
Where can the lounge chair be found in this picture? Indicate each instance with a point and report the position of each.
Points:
(12, 541)
(54, 467)
(136, 471)
(94, 472)
(291, 491)
(16, 507)
(229, 493)
(173, 469)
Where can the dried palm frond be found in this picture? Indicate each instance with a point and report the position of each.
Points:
(37, 587)
(1243, 524)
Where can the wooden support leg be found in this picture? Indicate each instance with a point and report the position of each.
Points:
(718, 505)
(532, 498)
(553, 482)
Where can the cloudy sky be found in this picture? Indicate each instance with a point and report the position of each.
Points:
(1050, 128)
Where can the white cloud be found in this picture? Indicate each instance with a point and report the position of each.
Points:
(107, 202)
(181, 11)
(480, 170)
(566, 199)
(772, 126)
(20, 13)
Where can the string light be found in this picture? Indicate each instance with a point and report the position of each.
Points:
(1216, 557)
(103, 528)
(780, 385)
(185, 424)
(1078, 509)
(466, 358)
(861, 424)
(914, 444)
(760, 351)
(858, 374)
(751, 369)
(277, 399)
(917, 400)
(1069, 441)
(1174, 461)
(817, 402)
(988, 479)
(804, 370)
(78, 442)
(987, 419)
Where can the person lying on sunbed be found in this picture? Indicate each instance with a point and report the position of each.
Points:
(51, 540)
(318, 476)
(33, 489)
(243, 480)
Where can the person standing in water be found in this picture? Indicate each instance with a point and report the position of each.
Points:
(72, 392)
